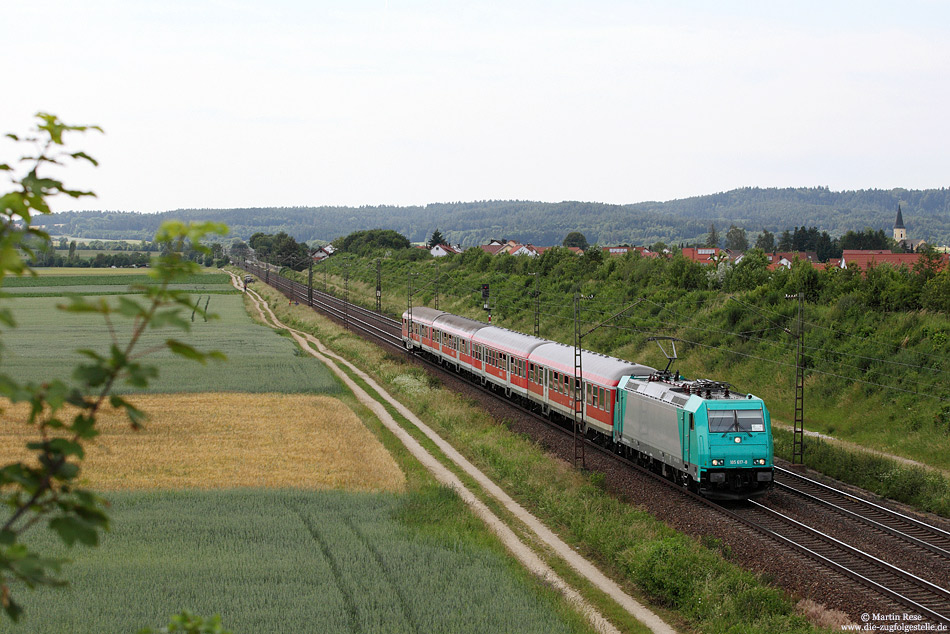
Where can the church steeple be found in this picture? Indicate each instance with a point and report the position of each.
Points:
(900, 233)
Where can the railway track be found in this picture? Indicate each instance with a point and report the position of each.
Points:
(918, 595)
(381, 328)
(911, 530)
(927, 599)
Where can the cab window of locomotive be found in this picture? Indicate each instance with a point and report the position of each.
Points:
(730, 420)
(750, 420)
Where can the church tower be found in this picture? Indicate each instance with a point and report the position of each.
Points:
(900, 233)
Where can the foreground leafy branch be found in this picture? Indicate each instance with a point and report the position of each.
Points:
(64, 415)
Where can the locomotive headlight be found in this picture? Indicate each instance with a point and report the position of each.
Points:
(717, 462)
(737, 439)
(759, 461)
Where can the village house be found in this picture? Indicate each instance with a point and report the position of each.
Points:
(442, 250)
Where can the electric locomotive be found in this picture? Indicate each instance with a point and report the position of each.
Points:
(698, 433)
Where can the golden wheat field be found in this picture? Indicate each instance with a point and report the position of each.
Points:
(226, 440)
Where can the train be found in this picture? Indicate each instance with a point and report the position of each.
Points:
(700, 433)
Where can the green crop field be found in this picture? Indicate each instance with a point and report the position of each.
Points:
(54, 271)
(108, 277)
(108, 289)
(286, 561)
(45, 342)
(267, 560)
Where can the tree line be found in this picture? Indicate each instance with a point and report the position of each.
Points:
(927, 213)
(805, 240)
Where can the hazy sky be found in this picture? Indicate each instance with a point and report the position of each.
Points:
(236, 103)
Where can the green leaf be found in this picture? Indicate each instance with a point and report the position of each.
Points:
(84, 426)
(138, 375)
(91, 375)
(67, 471)
(171, 317)
(185, 350)
(73, 529)
(130, 308)
(136, 416)
(66, 447)
(79, 304)
(83, 155)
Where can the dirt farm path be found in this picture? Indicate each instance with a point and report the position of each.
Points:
(525, 555)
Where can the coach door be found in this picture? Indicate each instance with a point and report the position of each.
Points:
(687, 429)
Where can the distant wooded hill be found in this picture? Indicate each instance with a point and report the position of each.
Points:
(926, 214)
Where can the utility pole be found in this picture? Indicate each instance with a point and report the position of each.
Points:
(310, 281)
(798, 434)
(437, 285)
(346, 296)
(577, 391)
(379, 286)
(537, 303)
(409, 314)
(577, 398)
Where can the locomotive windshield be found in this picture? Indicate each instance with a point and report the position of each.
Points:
(736, 420)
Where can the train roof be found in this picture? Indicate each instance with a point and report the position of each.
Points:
(558, 356)
(458, 325)
(596, 367)
(508, 340)
(424, 315)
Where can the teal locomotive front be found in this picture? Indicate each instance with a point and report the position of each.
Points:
(699, 433)
(730, 444)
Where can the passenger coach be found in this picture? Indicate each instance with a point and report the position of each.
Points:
(698, 433)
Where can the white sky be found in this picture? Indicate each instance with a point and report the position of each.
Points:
(241, 103)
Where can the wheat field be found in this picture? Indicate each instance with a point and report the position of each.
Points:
(227, 440)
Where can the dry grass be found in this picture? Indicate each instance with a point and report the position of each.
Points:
(225, 440)
(821, 616)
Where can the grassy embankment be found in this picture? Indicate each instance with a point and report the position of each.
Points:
(695, 583)
(390, 551)
(875, 378)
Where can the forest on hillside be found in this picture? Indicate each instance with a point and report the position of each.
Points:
(926, 214)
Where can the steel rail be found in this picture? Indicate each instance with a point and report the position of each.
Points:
(929, 599)
(939, 543)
